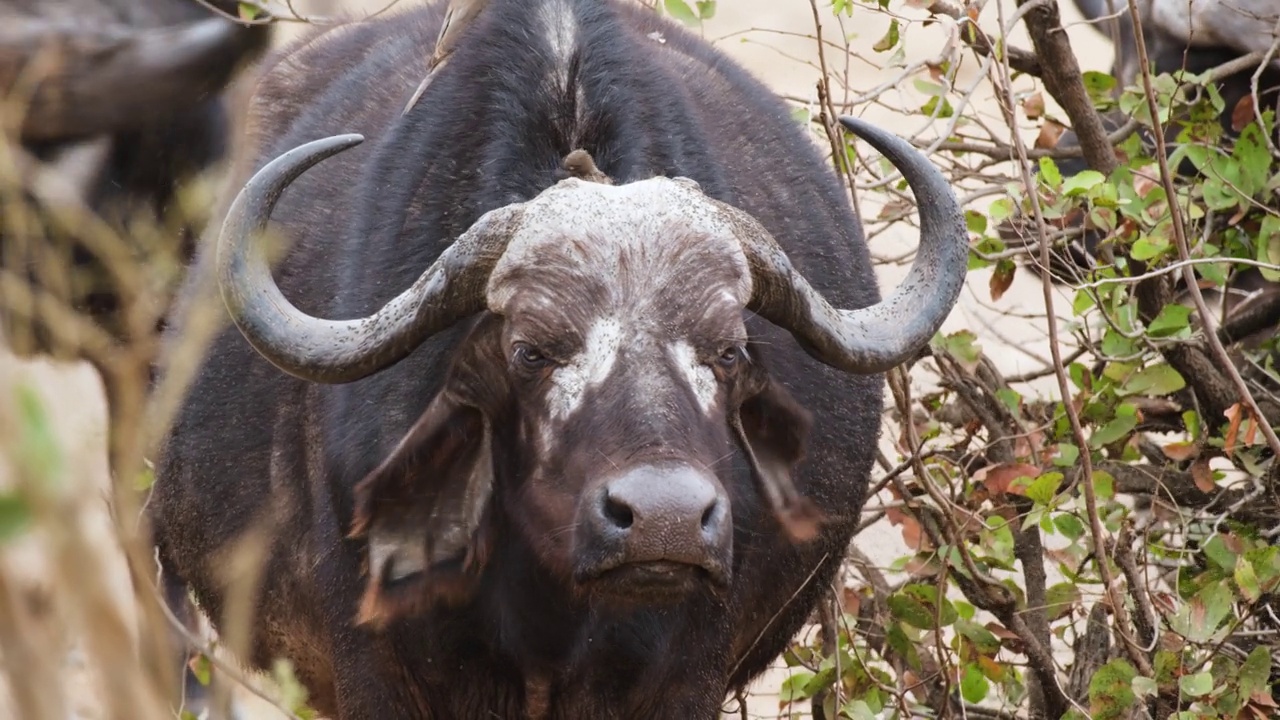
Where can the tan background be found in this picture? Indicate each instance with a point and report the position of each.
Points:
(788, 63)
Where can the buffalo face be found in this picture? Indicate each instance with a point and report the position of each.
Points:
(609, 378)
(613, 368)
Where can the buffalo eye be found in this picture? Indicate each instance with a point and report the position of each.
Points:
(529, 359)
(729, 357)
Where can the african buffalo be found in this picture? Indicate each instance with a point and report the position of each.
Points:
(600, 459)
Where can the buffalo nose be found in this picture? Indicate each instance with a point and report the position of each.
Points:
(666, 514)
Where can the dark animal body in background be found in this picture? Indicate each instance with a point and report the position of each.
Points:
(127, 106)
(563, 473)
(123, 103)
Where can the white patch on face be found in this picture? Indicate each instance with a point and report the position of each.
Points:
(560, 28)
(396, 553)
(588, 369)
(700, 378)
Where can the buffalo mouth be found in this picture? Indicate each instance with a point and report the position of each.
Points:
(652, 580)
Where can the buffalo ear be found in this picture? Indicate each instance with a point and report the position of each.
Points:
(772, 429)
(424, 513)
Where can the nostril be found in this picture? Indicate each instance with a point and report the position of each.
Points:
(619, 513)
(708, 515)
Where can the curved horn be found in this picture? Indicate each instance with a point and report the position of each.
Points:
(338, 351)
(876, 338)
(114, 78)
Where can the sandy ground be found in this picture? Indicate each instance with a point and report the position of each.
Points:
(787, 62)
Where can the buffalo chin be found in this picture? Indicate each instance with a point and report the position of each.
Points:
(659, 581)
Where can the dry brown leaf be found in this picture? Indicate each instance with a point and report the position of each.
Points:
(1143, 185)
(850, 601)
(1180, 451)
(1008, 638)
(1242, 114)
(1050, 132)
(1027, 446)
(1001, 279)
(911, 532)
(1251, 433)
(1202, 475)
(998, 478)
(1234, 416)
(990, 667)
(1033, 106)
(1263, 698)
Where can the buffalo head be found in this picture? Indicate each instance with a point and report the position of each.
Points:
(611, 365)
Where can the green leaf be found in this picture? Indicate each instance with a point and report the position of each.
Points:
(938, 107)
(1199, 618)
(1269, 247)
(1153, 381)
(1060, 598)
(1216, 551)
(249, 11)
(1191, 420)
(1148, 247)
(1082, 182)
(1000, 210)
(1069, 525)
(973, 685)
(983, 639)
(932, 89)
(910, 610)
(1043, 488)
(793, 688)
(202, 669)
(38, 450)
(1111, 690)
(975, 221)
(1171, 320)
(1067, 455)
(1118, 429)
(1082, 302)
(1144, 687)
(920, 606)
(858, 710)
(706, 9)
(1255, 673)
(1011, 399)
(1196, 685)
(1099, 86)
(1247, 580)
(1104, 485)
(1049, 173)
(15, 516)
(962, 345)
(889, 40)
(681, 11)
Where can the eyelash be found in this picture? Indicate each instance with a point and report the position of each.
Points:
(529, 357)
(730, 356)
